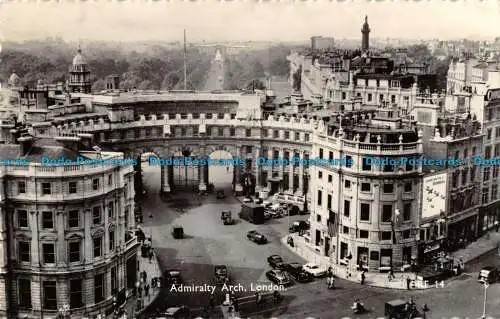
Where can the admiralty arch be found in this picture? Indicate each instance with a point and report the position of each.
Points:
(194, 125)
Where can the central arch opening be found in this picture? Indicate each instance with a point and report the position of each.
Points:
(185, 177)
(221, 175)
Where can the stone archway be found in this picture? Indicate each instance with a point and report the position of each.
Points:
(221, 169)
(186, 170)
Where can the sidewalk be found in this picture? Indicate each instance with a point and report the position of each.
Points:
(152, 269)
(473, 251)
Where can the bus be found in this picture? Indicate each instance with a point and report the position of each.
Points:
(294, 200)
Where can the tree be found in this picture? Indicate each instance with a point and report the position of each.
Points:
(99, 85)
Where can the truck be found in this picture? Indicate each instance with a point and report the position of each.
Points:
(252, 212)
(226, 217)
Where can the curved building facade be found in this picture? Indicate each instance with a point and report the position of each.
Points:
(366, 200)
(67, 230)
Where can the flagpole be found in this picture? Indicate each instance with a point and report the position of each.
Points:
(185, 69)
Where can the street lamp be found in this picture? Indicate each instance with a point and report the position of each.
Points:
(484, 303)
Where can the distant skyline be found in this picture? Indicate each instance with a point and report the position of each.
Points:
(136, 20)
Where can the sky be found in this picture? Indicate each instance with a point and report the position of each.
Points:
(237, 20)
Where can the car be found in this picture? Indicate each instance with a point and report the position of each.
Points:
(488, 275)
(278, 277)
(315, 269)
(267, 203)
(220, 194)
(247, 200)
(256, 237)
(181, 312)
(172, 277)
(296, 272)
(275, 261)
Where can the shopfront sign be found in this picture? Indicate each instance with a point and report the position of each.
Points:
(493, 94)
(434, 195)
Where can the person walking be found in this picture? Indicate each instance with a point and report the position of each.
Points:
(363, 277)
(408, 283)
(146, 290)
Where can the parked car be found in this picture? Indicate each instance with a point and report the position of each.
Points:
(299, 226)
(315, 270)
(220, 194)
(278, 277)
(178, 232)
(181, 312)
(488, 274)
(296, 272)
(172, 277)
(275, 261)
(256, 237)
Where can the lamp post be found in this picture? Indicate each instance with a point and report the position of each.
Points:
(485, 297)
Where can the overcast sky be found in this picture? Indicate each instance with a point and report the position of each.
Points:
(245, 20)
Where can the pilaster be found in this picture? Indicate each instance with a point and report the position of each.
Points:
(238, 188)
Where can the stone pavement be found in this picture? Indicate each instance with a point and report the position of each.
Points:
(152, 269)
(475, 250)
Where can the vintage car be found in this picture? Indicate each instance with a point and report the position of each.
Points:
(256, 237)
(275, 261)
(178, 232)
(221, 274)
(172, 277)
(399, 309)
(220, 194)
(226, 217)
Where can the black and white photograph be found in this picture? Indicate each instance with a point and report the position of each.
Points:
(250, 159)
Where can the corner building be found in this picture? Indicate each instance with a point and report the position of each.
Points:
(366, 215)
(66, 230)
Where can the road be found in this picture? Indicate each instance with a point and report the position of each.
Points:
(209, 243)
(215, 78)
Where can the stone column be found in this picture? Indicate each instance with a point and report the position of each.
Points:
(281, 169)
(301, 174)
(165, 176)
(202, 186)
(270, 154)
(257, 168)
(238, 188)
(290, 171)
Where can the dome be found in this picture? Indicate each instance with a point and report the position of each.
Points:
(79, 59)
(14, 80)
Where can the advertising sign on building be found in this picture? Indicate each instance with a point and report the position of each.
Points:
(434, 195)
(493, 94)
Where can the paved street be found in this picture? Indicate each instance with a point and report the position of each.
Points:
(209, 243)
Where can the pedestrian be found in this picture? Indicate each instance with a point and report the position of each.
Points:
(211, 302)
(146, 290)
(408, 283)
(330, 271)
(139, 291)
(151, 255)
(144, 275)
(363, 277)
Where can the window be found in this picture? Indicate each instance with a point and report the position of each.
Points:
(330, 178)
(114, 280)
(329, 201)
(320, 197)
(464, 176)
(408, 187)
(365, 212)
(363, 234)
(276, 134)
(344, 95)
(248, 132)
(72, 187)
(297, 136)
(111, 240)
(287, 135)
(485, 195)
(21, 187)
(388, 188)
(366, 187)
(409, 165)
(487, 152)
(320, 175)
(488, 134)
(486, 174)
(110, 179)
(407, 211)
(95, 184)
(111, 212)
(75, 293)
(347, 183)
(347, 208)
(46, 189)
(406, 234)
(472, 173)
(49, 256)
(49, 295)
(47, 220)
(96, 215)
(386, 213)
(232, 131)
(97, 247)
(99, 288)
(318, 218)
(466, 153)
(73, 219)
(74, 251)
(306, 137)
(348, 161)
(24, 251)
(366, 165)
(370, 97)
(22, 219)
(386, 235)
(345, 230)
(320, 153)
(24, 292)
(374, 255)
(388, 168)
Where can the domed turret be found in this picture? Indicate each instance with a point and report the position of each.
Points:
(79, 75)
(79, 59)
(14, 80)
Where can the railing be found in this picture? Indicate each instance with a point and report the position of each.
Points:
(131, 243)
